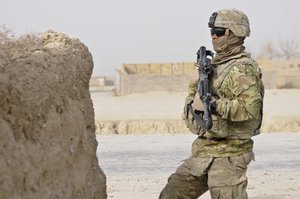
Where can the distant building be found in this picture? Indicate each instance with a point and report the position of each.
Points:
(102, 83)
(151, 77)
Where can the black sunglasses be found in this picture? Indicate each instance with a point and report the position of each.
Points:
(218, 31)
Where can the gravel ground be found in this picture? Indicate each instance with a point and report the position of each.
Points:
(137, 166)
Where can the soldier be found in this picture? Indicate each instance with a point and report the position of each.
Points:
(221, 154)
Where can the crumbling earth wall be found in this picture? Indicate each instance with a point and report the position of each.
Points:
(47, 130)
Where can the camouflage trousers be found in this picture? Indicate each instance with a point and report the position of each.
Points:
(225, 178)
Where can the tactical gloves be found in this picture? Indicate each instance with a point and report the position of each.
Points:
(189, 119)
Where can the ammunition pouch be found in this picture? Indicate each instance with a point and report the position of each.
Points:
(232, 130)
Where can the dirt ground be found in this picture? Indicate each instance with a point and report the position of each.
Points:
(281, 109)
(138, 166)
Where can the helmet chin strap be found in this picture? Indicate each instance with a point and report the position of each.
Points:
(226, 36)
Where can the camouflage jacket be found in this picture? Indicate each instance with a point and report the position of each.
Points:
(239, 90)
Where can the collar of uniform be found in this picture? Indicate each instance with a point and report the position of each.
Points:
(237, 56)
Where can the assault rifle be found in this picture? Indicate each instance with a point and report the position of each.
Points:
(204, 69)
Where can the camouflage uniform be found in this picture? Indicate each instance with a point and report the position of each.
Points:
(220, 155)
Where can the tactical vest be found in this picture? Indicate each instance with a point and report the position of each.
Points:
(223, 128)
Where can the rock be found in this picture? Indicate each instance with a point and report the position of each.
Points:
(47, 129)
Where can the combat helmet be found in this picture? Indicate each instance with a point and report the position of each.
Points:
(232, 19)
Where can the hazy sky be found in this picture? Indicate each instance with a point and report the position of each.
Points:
(139, 31)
